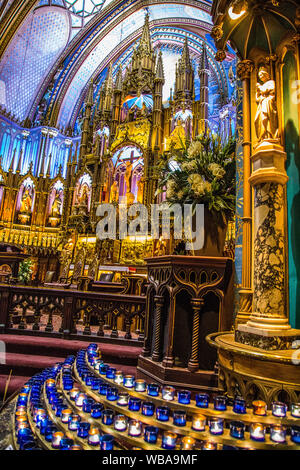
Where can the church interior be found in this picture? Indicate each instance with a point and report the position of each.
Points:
(124, 333)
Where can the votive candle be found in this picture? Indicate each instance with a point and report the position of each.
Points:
(216, 425)
(140, 385)
(150, 434)
(257, 431)
(56, 438)
(279, 409)
(278, 433)
(199, 422)
(179, 418)
(184, 397)
(259, 408)
(120, 423)
(94, 436)
(187, 443)
(135, 428)
(168, 393)
(128, 381)
(169, 440)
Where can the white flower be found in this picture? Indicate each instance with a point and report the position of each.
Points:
(217, 171)
(194, 149)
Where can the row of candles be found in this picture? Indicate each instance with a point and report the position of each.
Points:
(135, 428)
(168, 393)
(215, 424)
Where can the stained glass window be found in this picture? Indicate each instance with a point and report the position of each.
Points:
(84, 7)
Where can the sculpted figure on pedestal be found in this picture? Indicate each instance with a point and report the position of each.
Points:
(266, 119)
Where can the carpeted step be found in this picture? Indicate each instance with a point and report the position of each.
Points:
(15, 383)
(27, 364)
(56, 347)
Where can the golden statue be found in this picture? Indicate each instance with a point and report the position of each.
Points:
(56, 206)
(84, 197)
(140, 193)
(114, 192)
(177, 137)
(266, 119)
(26, 202)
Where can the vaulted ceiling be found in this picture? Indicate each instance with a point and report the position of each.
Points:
(52, 49)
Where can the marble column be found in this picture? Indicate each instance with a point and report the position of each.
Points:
(268, 326)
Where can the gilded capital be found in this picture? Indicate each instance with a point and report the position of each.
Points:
(220, 55)
(244, 68)
(216, 32)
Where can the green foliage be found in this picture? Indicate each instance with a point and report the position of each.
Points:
(203, 173)
(25, 271)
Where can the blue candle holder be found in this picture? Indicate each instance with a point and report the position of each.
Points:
(106, 442)
(66, 443)
(22, 399)
(128, 381)
(279, 409)
(24, 434)
(150, 434)
(68, 384)
(96, 410)
(103, 368)
(96, 383)
(107, 417)
(295, 434)
(239, 406)
(103, 388)
(74, 421)
(112, 393)
(162, 413)
(58, 410)
(179, 418)
(134, 404)
(295, 410)
(169, 440)
(202, 400)
(43, 425)
(27, 444)
(237, 429)
(87, 405)
(49, 431)
(148, 408)
(220, 403)
(83, 430)
(153, 390)
(184, 397)
(111, 373)
(216, 425)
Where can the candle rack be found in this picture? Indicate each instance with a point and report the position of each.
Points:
(47, 391)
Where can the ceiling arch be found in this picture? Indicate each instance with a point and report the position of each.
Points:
(104, 32)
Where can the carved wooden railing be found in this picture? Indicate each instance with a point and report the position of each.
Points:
(72, 313)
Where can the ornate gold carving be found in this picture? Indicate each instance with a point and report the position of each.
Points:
(220, 56)
(216, 32)
(244, 69)
(137, 132)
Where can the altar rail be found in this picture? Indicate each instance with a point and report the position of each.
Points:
(72, 314)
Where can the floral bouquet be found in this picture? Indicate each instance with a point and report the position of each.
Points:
(202, 173)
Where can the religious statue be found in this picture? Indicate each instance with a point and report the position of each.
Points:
(266, 119)
(114, 192)
(177, 137)
(140, 193)
(127, 176)
(56, 206)
(26, 202)
(84, 197)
